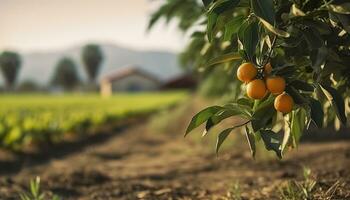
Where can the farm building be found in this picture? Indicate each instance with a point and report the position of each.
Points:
(129, 79)
(183, 81)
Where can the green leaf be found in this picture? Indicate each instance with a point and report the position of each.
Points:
(342, 8)
(223, 135)
(214, 12)
(202, 117)
(295, 94)
(261, 104)
(336, 100)
(221, 138)
(242, 110)
(241, 31)
(297, 125)
(24, 197)
(56, 197)
(232, 27)
(286, 134)
(251, 39)
(245, 102)
(264, 9)
(301, 85)
(263, 114)
(284, 71)
(272, 141)
(220, 116)
(221, 6)
(318, 58)
(316, 112)
(313, 38)
(206, 3)
(35, 187)
(273, 29)
(251, 141)
(198, 34)
(321, 27)
(14, 135)
(208, 126)
(223, 59)
(212, 18)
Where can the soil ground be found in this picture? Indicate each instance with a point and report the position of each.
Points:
(135, 163)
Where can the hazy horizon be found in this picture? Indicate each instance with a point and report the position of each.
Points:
(40, 25)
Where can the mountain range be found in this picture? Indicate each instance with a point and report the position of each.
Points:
(39, 66)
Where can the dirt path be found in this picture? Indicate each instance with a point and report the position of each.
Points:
(137, 164)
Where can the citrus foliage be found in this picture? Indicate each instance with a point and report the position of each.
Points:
(298, 49)
(41, 118)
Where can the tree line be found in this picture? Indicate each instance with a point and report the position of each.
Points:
(65, 75)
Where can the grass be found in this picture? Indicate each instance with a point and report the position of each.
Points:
(32, 118)
(34, 192)
(299, 190)
(235, 192)
(308, 188)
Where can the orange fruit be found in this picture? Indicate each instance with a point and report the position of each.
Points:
(275, 84)
(267, 69)
(246, 72)
(256, 89)
(284, 103)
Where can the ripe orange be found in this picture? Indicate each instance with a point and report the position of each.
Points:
(284, 103)
(246, 72)
(275, 84)
(267, 69)
(256, 89)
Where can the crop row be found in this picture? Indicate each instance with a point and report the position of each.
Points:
(31, 119)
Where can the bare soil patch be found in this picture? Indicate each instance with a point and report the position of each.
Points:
(134, 163)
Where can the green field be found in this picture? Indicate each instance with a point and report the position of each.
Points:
(28, 118)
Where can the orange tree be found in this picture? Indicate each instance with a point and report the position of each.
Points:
(291, 61)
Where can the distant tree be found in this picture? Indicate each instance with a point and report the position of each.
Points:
(92, 58)
(28, 86)
(10, 64)
(66, 74)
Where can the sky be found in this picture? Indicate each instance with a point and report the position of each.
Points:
(44, 25)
